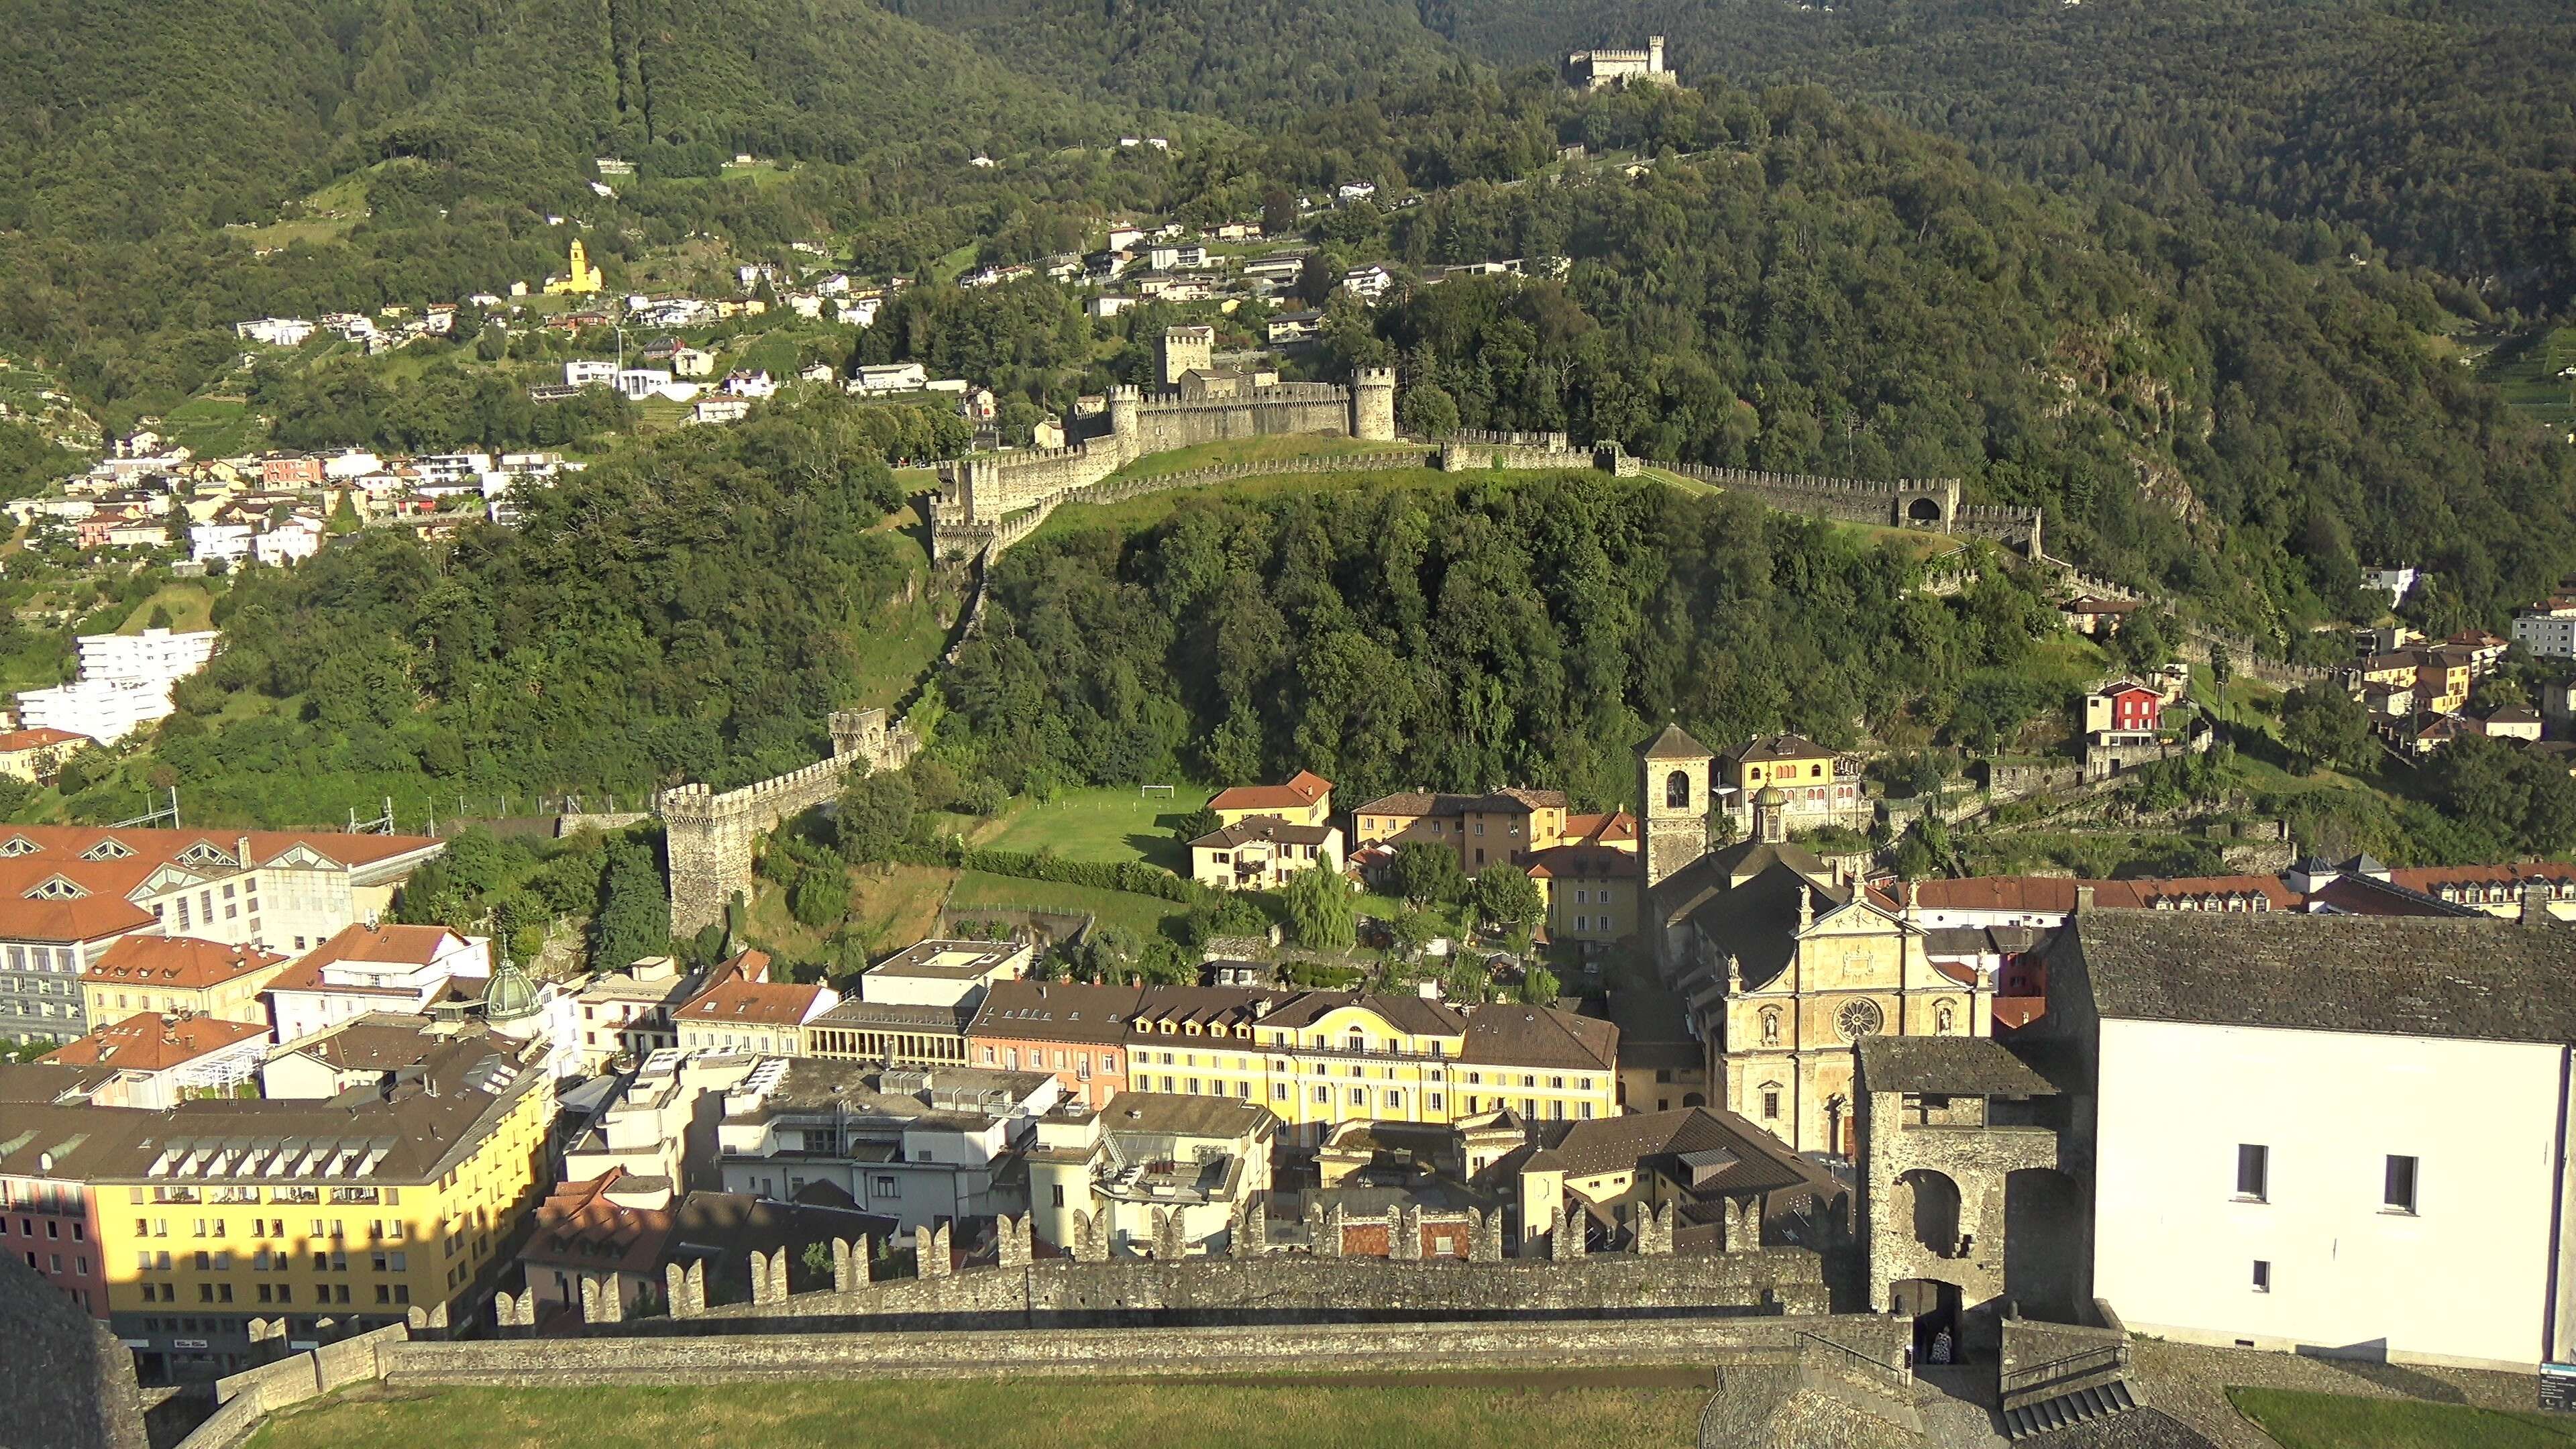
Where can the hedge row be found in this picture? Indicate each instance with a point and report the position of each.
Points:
(1133, 876)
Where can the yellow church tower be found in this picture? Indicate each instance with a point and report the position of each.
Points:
(583, 279)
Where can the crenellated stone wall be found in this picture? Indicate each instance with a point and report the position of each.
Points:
(711, 838)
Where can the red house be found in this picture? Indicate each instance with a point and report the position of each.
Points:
(2124, 707)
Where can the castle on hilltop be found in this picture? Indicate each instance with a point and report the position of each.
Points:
(1193, 402)
(1592, 69)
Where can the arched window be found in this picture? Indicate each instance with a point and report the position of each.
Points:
(1944, 1019)
(1770, 1026)
(1677, 790)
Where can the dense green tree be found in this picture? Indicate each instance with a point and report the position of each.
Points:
(874, 816)
(633, 917)
(1426, 875)
(1323, 908)
(1539, 986)
(2321, 725)
(1506, 896)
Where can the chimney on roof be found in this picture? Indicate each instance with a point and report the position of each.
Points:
(241, 846)
(2535, 904)
(2083, 900)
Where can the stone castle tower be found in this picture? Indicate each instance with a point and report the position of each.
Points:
(1673, 801)
(1185, 350)
(1373, 404)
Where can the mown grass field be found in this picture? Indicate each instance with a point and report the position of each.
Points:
(1112, 823)
(2348, 1421)
(1061, 1414)
(190, 606)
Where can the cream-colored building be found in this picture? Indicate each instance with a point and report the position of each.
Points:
(1147, 1162)
(2330, 1134)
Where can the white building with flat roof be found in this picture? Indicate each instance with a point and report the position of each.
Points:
(945, 973)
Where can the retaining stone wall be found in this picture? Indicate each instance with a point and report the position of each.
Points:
(1157, 1351)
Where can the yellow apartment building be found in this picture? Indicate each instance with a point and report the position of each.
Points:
(1319, 1058)
(329, 1214)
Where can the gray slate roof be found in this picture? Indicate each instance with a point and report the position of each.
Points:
(2489, 980)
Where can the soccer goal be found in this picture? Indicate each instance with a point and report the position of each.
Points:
(1150, 791)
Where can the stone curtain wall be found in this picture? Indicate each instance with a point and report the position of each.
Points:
(1467, 451)
(245, 1399)
(1205, 1291)
(1289, 407)
(1544, 1343)
(710, 838)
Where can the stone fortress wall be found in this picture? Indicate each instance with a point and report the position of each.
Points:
(976, 495)
(710, 838)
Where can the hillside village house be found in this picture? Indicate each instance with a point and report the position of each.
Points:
(1816, 789)
(2124, 707)
(1262, 852)
(1305, 799)
(379, 968)
(180, 976)
(35, 755)
(1593, 892)
(1489, 829)
(68, 893)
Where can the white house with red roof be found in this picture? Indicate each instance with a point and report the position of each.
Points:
(376, 968)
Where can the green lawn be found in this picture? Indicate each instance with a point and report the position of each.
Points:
(2348, 1421)
(1152, 508)
(899, 645)
(1112, 823)
(1144, 915)
(1062, 1414)
(190, 606)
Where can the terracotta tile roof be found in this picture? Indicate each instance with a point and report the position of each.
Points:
(107, 866)
(578, 1227)
(2202, 892)
(2431, 878)
(182, 962)
(751, 1003)
(2036, 893)
(1301, 792)
(36, 739)
(1675, 743)
(150, 1042)
(389, 944)
(1608, 829)
(1509, 800)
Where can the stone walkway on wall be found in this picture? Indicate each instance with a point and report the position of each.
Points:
(2184, 1386)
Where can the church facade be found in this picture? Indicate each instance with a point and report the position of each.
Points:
(1784, 965)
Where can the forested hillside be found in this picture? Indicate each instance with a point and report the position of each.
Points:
(2444, 130)
(1803, 287)
(1467, 635)
(1250, 60)
(693, 609)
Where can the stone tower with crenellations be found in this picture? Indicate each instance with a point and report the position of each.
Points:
(1373, 404)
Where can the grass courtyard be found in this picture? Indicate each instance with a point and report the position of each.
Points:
(2348, 1421)
(1064, 1414)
